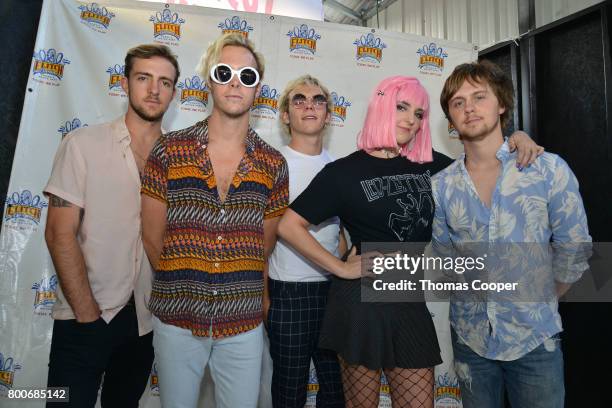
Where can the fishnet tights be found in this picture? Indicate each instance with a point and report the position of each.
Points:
(409, 388)
(361, 385)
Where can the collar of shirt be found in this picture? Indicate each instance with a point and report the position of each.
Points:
(120, 131)
(503, 154)
(246, 163)
(121, 135)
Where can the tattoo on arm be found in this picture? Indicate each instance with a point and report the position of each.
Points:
(56, 201)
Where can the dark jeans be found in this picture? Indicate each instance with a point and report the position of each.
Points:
(82, 352)
(532, 381)
(294, 321)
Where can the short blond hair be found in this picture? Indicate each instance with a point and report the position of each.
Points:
(212, 55)
(302, 80)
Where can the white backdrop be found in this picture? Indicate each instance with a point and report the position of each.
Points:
(311, 9)
(73, 82)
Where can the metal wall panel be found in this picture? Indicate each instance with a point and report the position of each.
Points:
(433, 16)
(482, 22)
(577, 5)
(394, 17)
(402, 16)
(548, 11)
(508, 20)
(413, 16)
(456, 20)
(382, 20)
(477, 21)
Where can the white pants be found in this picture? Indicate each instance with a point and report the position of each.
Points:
(181, 358)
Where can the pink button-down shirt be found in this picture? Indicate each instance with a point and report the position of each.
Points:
(94, 169)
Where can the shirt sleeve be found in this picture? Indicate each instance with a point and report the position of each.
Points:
(154, 181)
(322, 199)
(278, 199)
(441, 245)
(69, 173)
(571, 242)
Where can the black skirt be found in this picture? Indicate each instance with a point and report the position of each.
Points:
(377, 335)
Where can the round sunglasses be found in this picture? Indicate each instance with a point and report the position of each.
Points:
(223, 74)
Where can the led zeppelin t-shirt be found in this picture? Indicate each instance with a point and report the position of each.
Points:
(377, 200)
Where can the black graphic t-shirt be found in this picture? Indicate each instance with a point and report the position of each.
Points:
(377, 200)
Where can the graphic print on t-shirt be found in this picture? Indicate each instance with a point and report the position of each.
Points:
(415, 203)
(415, 217)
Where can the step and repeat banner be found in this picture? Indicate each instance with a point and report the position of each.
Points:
(74, 81)
(310, 9)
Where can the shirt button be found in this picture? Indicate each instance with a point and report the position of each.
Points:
(214, 292)
(219, 238)
(216, 264)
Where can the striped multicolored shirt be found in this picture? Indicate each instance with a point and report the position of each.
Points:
(209, 277)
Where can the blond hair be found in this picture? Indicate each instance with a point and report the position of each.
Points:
(212, 55)
(302, 80)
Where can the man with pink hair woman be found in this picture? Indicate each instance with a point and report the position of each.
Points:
(389, 175)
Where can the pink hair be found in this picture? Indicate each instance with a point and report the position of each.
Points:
(379, 127)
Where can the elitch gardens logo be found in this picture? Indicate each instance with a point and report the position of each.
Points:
(235, 25)
(70, 125)
(115, 73)
(303, 42)
(44, 295)
(96, 17)
(23, 210)
(8, 367)
(193, 94)
(431, 59)
(339, 111)
(447, 392)
(369, 52)
(167, 26)
(265, 104)
(48, 67)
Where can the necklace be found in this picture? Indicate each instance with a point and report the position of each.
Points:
(390, 154)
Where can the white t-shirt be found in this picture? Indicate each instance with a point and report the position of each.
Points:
(286, 263)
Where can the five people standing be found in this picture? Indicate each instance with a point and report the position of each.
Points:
(212, 198)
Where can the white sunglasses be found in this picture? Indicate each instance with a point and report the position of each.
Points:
(223, 74)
